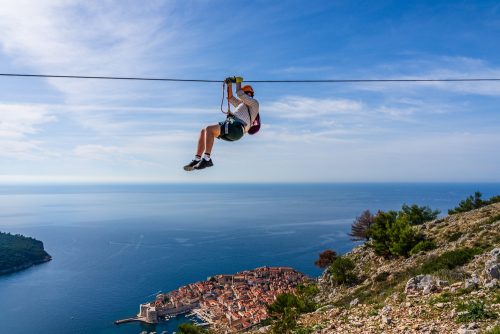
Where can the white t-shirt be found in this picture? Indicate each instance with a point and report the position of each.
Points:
(243, 104)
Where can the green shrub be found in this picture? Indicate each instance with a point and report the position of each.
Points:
(419, 214)
(307, 291)
(284, 301)
(392, 234)
(403, 237)
(303, 330)
(379, 232)
(474, 310)
(452, 275)
(493, 219)
(495, 330)
(470, 203)
(189, 328)
(494, 199)
(449, 260)
(286, 322)
(464, 291)
(287, 307)
(473, 202)
(442, 298)
(423, 246)
(381, 277)
(454, 236)
(342, 271)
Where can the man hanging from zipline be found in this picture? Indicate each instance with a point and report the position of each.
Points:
(245, 119)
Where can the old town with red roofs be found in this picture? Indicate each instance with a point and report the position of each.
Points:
(233, 302)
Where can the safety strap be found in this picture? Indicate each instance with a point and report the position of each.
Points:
(249, 116)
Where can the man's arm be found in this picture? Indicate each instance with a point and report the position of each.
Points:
(230, 97)
(249, 101)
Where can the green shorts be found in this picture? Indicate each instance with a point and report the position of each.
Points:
(232, 129)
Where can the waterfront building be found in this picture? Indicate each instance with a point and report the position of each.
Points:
(234, 302)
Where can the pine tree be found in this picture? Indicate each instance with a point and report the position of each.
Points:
(342, 271)
(419, 214)
(379, 232)
(361, 225)
(470, 203)
(392, 234)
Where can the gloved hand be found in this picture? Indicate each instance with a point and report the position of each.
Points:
(238, 79)
(229, 80)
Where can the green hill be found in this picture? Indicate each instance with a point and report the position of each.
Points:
(18, 252)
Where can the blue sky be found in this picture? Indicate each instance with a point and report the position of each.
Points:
(58, 130)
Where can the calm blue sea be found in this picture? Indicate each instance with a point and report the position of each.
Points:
(116, 246)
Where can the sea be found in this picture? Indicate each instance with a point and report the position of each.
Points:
(116, 246)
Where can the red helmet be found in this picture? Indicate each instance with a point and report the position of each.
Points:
(247, 89)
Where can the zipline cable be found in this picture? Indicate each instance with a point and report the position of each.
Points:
(249, 81)
(102, 77)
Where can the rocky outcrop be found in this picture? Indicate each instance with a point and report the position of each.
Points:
(425, 284)
(492, 265)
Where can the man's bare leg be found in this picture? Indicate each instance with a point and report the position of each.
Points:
(199, 151)
(201, 143)
(211, 132)
(205, 145)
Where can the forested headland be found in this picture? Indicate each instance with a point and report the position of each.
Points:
(18, 252)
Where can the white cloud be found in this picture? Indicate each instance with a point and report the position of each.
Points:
(92, 38)
(111, 154)
(305, 69)
(100, 38)
(20, 120)
(435, 68)
(97, 151)
(300, 107)
(19, 124)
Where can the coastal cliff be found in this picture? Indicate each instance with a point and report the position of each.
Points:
(18, 252)
(452, 288)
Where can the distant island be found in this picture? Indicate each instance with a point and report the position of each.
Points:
(18, 252)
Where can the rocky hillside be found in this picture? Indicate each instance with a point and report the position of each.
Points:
(451, 289)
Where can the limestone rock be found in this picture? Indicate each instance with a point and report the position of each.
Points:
(354, 302)
(442, 283)
(492, 265)
(424, 283)
(472, 283)
(324, 308)
(385, 310)
(264, 329)
(495, 254)
(491, 284)
(471, 328)
(386, 320)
